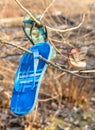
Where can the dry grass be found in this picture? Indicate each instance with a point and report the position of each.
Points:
(65, 6)
(60, 86)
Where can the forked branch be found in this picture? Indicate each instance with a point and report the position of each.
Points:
(50, 28)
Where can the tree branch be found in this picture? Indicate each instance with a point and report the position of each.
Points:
(36, 21)
(47, 61)
(50, 28)
(47, 9)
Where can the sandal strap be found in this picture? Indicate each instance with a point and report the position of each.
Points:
(28, 80)
(36, 62)
(29, 25)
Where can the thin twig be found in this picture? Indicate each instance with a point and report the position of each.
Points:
(48, 99)
(84, 71)
(57, 49)
(76, 71)
(47, 61)
(69, 29)
(53, 29)
(65, 70)
(47, 9)
(35, 113)
(17, 46)
(36, 21)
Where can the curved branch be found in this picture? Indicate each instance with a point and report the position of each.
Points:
(53, 29)
(36, 21)
(69, 29)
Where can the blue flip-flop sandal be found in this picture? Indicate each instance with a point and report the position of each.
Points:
(35, 33)
(28, 78)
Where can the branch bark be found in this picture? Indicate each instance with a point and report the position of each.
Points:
(47, 61)
(50, 28)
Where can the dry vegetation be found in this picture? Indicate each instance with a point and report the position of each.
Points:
(64, 101)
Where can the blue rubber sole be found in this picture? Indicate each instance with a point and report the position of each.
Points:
(26, 84)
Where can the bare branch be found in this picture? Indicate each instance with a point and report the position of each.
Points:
(77, 71)
(69, 29)
(53, 29)
(47, 9)
(17, 46)
(47, 61)
(36, 21)
(57, 49)
(48, 99)
(84, 71)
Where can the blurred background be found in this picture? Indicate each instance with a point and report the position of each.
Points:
(65, 102)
